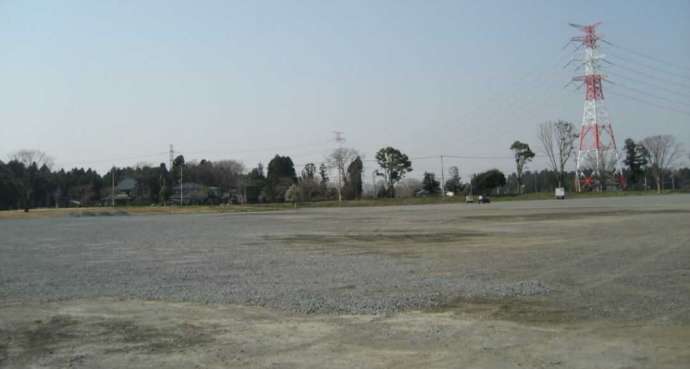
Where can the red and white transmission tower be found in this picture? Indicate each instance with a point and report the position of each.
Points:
(597, 157)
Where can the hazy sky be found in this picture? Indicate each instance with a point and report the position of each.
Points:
(97, 83)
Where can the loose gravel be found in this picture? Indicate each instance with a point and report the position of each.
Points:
(308, 261)
(164, 258)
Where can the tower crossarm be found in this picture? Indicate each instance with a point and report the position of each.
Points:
(593, 85)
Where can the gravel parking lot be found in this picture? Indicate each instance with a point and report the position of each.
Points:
(536, 264)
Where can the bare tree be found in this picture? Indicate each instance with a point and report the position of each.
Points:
(558, 140)
(143, 164)
(28, 157)
(407, 187)
(228, 173)
(33, 161)
(340, 159)
(663, 150)
(309, 182)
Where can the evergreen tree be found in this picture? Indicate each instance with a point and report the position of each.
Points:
(636, 160)
(454, 184)
(353, 183)
(485, 182)
(281, 175)
(323, 173)
(254, 183)
(430, 184)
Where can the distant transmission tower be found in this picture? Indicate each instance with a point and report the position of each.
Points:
(172, 154)
(339, 137)
(597, 156)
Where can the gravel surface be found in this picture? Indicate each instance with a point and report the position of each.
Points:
(631, 258)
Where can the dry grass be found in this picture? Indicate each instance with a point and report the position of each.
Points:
(157, 210)
(143, 210)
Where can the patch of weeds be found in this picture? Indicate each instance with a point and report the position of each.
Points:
(47, 334)
(521, 310)
(152, 339)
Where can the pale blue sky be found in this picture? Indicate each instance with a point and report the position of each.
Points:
(96, 83)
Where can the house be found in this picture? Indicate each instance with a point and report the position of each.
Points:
(125, 191)
(127, 186)
(195, 194)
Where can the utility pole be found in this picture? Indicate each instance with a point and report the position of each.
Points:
(373, 182)
(172, 157)
(443, 179)
(181, 190)
(112, 192)
(387, 177)
(339, 139)
(673, 181)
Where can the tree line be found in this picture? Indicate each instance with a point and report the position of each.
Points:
(27, 180)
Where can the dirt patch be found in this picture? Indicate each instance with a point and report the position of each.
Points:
(150, 339)
(520, 310)
(3, 351)
(103, 213)
(46, 334)
(123, 334)
(560, 216)
(37, 338)
(379, 237)
(43, 338)
(391, 243)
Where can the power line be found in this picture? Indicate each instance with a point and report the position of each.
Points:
(654, 68)
(99, 161)
(162, 154)
(486, 157)
(649, 57)
(512, 98)
(656, 78)
(455, 156)
(650, 84)
(253, 150)
(649, 94)
(659, 106)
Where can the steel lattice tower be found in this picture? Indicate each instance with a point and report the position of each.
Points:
(597, 157)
